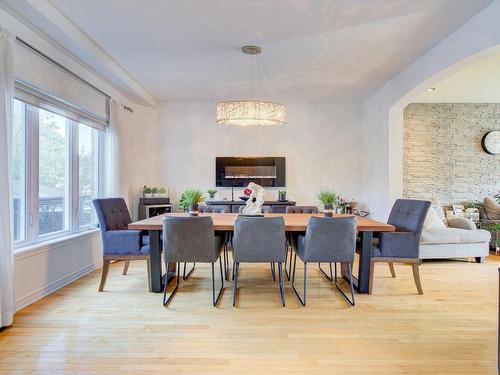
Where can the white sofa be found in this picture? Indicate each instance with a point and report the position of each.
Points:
(460, 239)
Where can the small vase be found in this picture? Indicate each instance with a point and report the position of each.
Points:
(193, 209)
(212, 196)
(328, 210)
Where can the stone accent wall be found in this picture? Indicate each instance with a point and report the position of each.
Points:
(443, 153)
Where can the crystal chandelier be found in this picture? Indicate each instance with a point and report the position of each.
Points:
(251, 112)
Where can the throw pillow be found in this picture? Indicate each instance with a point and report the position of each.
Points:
(492, 208)
(432, 220)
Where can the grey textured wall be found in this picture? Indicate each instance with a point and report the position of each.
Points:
(443, 154)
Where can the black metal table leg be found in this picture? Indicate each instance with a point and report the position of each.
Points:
(157, 279)
(362, 281)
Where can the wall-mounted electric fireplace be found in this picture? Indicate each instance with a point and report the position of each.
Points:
(239, 171)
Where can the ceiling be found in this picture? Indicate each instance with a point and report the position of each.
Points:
(477, 83)
(312, 49)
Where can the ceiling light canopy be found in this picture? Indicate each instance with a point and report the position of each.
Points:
(251, 112)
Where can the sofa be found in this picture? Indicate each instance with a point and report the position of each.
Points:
(455, 237)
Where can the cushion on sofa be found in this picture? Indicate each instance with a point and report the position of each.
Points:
(453, 236)
(438, 208)
(492, 208)
(432, 220)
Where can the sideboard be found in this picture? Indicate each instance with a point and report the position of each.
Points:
(277, 207)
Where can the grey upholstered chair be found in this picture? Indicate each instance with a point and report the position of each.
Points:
(119, 243)
(296, 210)
(302, 210)
(259, 240)
(209, 209)
(328, 240)
(264, 209)
(402, 246)
(191, 240)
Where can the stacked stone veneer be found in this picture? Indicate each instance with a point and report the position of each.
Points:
(443, 153)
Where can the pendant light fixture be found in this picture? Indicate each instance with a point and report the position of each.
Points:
(250, 112)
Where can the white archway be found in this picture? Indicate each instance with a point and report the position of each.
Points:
(477, 39)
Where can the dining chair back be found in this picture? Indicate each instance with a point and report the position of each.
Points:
(190, 240)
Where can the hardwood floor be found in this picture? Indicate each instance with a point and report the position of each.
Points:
(451, 329)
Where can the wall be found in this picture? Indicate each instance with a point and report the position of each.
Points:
(475, 40)
(42, 269)
(321, 143)
(443, 153)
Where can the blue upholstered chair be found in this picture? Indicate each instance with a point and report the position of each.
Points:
(118, 242)
(191, 240)
(327, 240)
(213, 209)
(259, 240)
(402, 246)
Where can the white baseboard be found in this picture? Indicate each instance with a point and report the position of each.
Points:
(55, 285)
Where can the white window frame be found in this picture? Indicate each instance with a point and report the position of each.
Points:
(31, 216)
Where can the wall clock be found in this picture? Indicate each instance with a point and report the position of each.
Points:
(491, 142)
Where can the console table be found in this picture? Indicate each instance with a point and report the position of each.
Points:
(277, 207)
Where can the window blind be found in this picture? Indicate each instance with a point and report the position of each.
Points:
(43, 82)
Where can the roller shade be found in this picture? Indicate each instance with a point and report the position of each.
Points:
(41, 79)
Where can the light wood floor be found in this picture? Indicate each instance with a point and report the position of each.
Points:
(451, 329)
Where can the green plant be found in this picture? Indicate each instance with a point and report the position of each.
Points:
(189, 197)
(327, 197)
(472, 204)
(162, 190)
(211, 192)
(147, 190)
(281, 191)
(493, 228)
(154, 190)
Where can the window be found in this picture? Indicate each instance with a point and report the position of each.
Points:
(88, 174)
(19, 170)
(56, 173)
(53, 173)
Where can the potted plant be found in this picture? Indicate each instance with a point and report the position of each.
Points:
(328, 198)
(282, 195)
(162, 192)
(211, 193)
(190, 199)
(154, 191)
(147, 192)
(494, 229)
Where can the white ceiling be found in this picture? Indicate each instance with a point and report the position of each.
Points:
(477, 83)
(312, 49)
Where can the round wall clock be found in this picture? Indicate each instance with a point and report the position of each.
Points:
(491, 142)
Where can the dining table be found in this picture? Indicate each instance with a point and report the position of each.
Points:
(367, 229)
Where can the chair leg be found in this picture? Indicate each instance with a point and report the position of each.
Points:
(351, 301)
(391, 267)
(282, 287)
(416, 276)
(166, 300)
(372, 271)
(215, 300)
(330, 278)
(184, 276)
(288, 245)
(148, 265)
(302, 301)
(104, 275)
(235, 281)
(273, 271)
(125, 267)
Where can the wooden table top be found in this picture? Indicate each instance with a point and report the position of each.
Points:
(293, 222)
